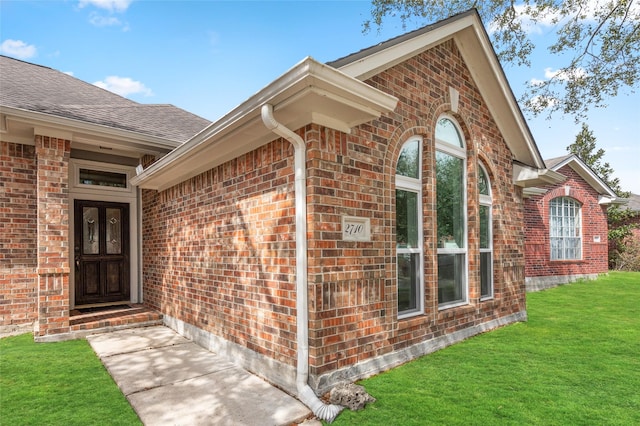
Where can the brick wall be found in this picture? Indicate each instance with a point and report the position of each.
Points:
(53, 235)
(594, 224)
(353, 314)
(219, 249)
(18, 234)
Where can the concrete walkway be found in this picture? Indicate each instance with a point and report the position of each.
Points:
(169, 380)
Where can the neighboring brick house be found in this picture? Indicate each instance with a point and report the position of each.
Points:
(347, 218)
(566, 226)
(634, 204)
(66, 143)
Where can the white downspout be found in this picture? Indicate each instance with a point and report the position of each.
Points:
(305, 393)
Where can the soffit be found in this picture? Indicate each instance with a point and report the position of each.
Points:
(310, 92)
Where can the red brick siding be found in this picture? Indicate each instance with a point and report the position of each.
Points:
(353, 307)
(594, 223)
(18, 234)
(53, 234)
(219, 251)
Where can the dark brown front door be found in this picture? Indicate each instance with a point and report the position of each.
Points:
(101, 252)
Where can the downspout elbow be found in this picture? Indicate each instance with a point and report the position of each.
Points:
(305, 393)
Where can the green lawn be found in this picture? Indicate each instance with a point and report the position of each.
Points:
(57, 384)
(575, 362)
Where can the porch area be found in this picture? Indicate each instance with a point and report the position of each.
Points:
(102, 319)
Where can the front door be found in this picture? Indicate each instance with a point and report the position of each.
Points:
(101, 252)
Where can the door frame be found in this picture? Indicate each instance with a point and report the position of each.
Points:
(128, 195)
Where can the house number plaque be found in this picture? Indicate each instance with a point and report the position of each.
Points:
(356, 228)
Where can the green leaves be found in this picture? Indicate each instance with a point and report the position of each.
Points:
(598, 39)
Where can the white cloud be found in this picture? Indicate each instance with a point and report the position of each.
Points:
(110, 5)
(540, 103)
(548, 20)
(18, 49)
(98, 20)
(123, 86)
(564, 75)
(68, 73)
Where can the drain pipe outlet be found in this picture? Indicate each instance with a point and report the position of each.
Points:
(305, 393)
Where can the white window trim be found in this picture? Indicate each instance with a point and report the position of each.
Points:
(580, 227)
(458, 152)
(487, 200)
(128, 195)
(414, 185)
(74, 178)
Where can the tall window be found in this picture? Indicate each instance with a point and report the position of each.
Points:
(486, 235)
(409, 228)
(565, 229)
(451, 211)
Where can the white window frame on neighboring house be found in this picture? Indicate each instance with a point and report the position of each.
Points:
(565, 229)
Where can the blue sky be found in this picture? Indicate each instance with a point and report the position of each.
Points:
(209, 56)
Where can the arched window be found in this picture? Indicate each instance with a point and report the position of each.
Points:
(486, 234)
(565, 229)
(409, 239)
(451, 214)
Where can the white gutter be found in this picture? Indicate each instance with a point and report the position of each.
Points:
(305, 393)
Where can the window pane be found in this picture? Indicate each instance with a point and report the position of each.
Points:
(447, 132)
(450, 199)
(408, 282)
(565, 229)
(114, 231)
(486, 267)
(409, 160)
(483, 182)
(485, 235)
(90, 231)
(406, 219)
(102, 178)
(451, 278)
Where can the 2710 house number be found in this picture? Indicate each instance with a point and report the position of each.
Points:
(356, 228)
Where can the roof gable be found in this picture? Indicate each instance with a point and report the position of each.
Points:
(468, 33)
(585, 172)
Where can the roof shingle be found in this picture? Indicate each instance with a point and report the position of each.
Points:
(36, 88)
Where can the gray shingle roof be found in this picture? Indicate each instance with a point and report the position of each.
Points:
(634, 202)
(552, 162)
(41, 89)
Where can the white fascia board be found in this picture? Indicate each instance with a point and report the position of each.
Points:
(478, 53)
(307, 78)
(470, 37)
(526, 176)
(377, 62)
(533, 191)
(588, 175)
(73, 127)
(607, 200)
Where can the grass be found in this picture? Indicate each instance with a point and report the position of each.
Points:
(576, 361)
(57, 384)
